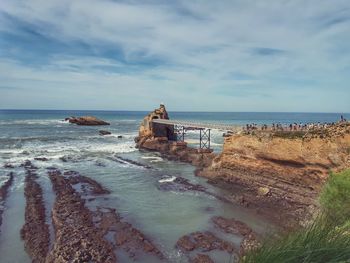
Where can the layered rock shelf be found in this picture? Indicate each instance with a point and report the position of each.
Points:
(76, 237)
(35, 231)
(4, 192)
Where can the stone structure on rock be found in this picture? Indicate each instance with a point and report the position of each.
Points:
(162, 138)
(149, 129)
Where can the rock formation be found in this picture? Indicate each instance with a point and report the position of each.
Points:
(35, 231)
(102, 132)
(86, 121)
(280, 172)
(3, 193)
(162, 138)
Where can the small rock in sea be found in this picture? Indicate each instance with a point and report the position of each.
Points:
(8, 166)
(87, 121)
(120, 136)
(102, 132)
(43, 159)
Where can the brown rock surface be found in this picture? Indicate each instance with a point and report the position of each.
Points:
(202, 258)
(125, 236)
(35, 231)
(204, 241)
(87, 121)
(84, 235)
(76, 237)
(236, 227)
(4, 191)
(283, 175)
(162, 138)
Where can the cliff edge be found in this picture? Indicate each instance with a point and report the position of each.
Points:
(281, 171)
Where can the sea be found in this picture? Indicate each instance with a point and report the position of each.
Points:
(137, 193)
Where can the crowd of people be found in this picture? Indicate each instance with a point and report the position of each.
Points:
(291, 126)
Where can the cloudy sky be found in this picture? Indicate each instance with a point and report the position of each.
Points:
(192, 55)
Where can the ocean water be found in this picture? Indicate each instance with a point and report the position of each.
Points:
(136, 193)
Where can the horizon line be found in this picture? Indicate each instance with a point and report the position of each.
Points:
(184, 111)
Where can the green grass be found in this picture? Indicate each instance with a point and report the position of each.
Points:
(335, 197)
(327, 239)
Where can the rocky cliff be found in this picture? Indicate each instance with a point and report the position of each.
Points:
(281, 170)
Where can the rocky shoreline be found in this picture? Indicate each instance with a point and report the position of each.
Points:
(83, 231)
(279, 178)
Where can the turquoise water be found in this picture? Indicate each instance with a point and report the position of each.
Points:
(136, 192)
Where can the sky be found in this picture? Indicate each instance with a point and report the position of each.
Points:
(234, 55)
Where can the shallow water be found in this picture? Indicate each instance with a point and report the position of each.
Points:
(136, 192)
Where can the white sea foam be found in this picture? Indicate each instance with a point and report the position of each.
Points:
(32, 122)
(153, 159)
(167, 179)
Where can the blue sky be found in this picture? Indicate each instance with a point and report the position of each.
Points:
(192, 55)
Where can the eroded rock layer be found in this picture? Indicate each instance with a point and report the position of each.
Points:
(89, 233)
(3, 193)
(123, 235)
(283, 174)
(35, 231)
(76, 237)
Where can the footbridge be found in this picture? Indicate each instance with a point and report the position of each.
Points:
(181, 127)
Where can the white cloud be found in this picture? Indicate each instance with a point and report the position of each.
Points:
(200, 45)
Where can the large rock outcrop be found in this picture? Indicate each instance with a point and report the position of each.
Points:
(281, 170)
(162, 138)
(87, 121)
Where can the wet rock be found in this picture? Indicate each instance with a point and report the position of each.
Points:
(125, 236)
(202, 258)
(232, 226)
(43, 159)
(204, 242)
(51, 168)
(35, 231)
(76, 237)
(100, 164)
(186, 243)
(4, 191)
(181, 184)
(28, 165)
(88, 185)
(120, 137)
(236, 227)
(8, 166)
(123, 160)
(102, 132)
(69, 158)
(87, 121)
(83, 235)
